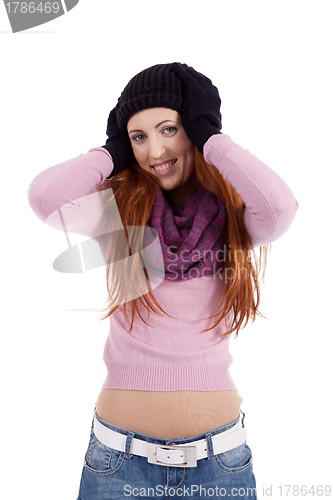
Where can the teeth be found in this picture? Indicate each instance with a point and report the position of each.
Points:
(165, 166)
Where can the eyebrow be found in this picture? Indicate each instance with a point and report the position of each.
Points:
(156, 126)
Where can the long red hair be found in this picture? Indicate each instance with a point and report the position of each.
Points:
(134, 190)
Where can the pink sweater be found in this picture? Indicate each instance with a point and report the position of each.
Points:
(174, 354)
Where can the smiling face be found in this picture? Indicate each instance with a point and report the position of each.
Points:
(161, 146)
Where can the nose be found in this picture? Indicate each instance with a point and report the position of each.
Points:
(156, 147)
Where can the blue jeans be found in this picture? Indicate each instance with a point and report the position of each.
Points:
(110, 474)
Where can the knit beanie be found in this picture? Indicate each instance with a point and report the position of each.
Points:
(157, 86)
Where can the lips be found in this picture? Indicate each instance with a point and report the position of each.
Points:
(162, 167)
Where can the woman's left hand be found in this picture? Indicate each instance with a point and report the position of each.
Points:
(201, 116)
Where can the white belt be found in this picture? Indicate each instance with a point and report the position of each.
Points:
(180, 455)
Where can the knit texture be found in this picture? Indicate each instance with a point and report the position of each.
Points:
(190, 238)
(174, 353)
(157, 86)
(201, 115)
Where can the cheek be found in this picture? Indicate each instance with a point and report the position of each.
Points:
(185, 148)
(189, 159)
(138, 154)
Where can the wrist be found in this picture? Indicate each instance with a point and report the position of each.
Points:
(217, 145)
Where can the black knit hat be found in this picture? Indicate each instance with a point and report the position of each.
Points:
(157, 86)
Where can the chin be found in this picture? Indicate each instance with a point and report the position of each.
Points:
(167, 186)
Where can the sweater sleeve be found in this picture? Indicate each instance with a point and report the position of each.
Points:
(67, 196)
(270, 205)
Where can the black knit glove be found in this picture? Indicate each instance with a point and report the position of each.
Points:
(118, 145)
(201, 117)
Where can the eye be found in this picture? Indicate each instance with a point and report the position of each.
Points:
(138, 138)
(169, 130)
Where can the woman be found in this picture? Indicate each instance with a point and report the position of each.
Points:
(168, 419)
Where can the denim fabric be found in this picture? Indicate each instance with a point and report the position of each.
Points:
(110, 474)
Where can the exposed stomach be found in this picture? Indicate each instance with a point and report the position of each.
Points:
(168, 415)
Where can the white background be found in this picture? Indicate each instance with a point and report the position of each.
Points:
(272, 63)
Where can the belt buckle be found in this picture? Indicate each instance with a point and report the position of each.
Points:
(191, 454)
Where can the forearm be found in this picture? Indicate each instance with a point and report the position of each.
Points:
(68, 181)
(270, 205)
(66, 196)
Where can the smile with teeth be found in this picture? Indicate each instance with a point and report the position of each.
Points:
(165, 166)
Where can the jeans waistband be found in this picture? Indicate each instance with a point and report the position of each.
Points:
(184, 452)
(161, 441)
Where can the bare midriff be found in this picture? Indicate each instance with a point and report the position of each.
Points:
(168, 415)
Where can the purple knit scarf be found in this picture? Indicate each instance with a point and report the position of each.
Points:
(190, 238)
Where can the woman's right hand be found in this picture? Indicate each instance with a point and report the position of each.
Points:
(118, 145)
